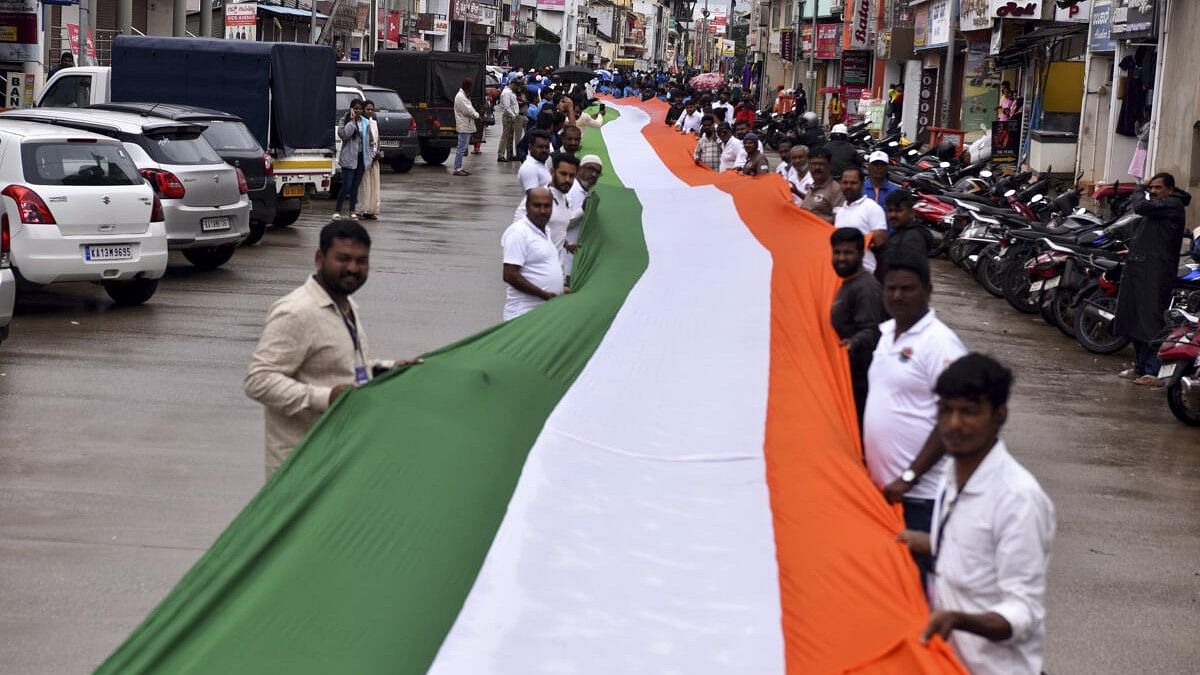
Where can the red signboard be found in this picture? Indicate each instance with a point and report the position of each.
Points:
(827, 40)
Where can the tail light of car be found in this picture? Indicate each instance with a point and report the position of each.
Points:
(29, 205)
(268, 167)
(412, 125)
(5, 240)
(242, 187)
(165, 183)
(156, 211)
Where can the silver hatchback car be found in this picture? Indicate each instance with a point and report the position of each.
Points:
(204, 199)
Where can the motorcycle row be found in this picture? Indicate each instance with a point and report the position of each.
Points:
(1038, 249)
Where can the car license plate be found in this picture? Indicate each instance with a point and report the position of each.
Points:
(1052, 282)
(1167, 370)
(389, 144)
(1036, 286)
(214, 224)
(293, 190)
(116, 252)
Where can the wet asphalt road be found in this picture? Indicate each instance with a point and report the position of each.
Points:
(126, 444)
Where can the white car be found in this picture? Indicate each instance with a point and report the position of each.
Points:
(75, 208)
(8, 283)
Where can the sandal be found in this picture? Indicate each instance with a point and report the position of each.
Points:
(462, 172)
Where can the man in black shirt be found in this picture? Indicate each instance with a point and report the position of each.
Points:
(857, 309)
(907, 238)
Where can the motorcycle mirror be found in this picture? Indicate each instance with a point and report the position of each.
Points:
(1010, 193)
(1037, 199)
(985, 174)
(892, 144)
(944, 165)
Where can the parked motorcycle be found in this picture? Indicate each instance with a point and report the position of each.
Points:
(1179, 354)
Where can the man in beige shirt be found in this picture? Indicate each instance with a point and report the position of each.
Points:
(825, 194)
(313, 346)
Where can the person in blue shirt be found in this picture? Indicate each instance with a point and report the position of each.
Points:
(878, 187)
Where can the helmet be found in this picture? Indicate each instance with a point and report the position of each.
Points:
(839, 129)
(972, 184)
(810, 118)
(945, 150)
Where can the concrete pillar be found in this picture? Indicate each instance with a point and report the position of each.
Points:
(1175, 130)
(124, 16)
(179, 18)
(206, 18)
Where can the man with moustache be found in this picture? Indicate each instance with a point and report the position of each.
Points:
(590, 169)
(572, 139)
(825, 195)
(535, 170)
(799, 178)
(857, 309)
(314, 347)
(861, 212)
(533, 271)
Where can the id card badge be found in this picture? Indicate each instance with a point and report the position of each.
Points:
(360, 375)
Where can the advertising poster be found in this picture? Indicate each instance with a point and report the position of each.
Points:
(241, 21)
(73, 40)
(728, 48)
(19, 30)
(939, 24)
(827, 40)
(981, 91)
(1006, 141)
(921, 28)
(974, 15)
(470, 11)
(1133, 18)
(1102, 16)
(856, 73)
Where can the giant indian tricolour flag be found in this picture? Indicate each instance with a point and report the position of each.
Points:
(657, 474)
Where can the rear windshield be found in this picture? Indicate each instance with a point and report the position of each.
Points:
(78, 163)
(180, 147)
(386, 100)
(230, 135)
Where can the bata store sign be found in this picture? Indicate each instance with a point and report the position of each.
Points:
(859, 27)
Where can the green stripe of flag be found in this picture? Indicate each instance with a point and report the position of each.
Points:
(358, 555)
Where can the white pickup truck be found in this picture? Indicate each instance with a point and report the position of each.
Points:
(284, 93)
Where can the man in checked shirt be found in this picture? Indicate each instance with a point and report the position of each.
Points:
(708, 146)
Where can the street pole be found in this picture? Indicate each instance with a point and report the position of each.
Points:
(313, 21)
(947, 85)
(811, 94)
(85, 19)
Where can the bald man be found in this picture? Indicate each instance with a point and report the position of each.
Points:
(533, 271)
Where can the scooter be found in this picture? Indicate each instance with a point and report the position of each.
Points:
(1179, 354)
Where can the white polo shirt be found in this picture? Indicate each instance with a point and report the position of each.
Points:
(730, 154)
(784, 169)
(802, 184)
(560, 217)
(530, 248)
(533, 173)
(690, 123)
(901, 406)
(992, 542)
(864, 215)
(727, 107)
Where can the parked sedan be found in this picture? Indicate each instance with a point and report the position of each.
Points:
(74, 208)
(204, 199)
(397, 129)
(234, 142)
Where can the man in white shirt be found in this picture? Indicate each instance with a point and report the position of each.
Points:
(723, 109)
(590, 170)
(784, 169)
(731, 148)
(535, 170)
(508, 109)
(689, 121)
(532, 268)
(862, 213)
(740, 130)
(903, 451)
(994, 531)
(799, 177)
(562, 181)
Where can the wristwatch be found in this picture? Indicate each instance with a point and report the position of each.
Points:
(909, 476)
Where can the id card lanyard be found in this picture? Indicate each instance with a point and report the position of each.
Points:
(945, 519)
(360, 362)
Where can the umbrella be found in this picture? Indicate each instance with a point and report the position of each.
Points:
(604, 74)
(708, 81)
(577, 74)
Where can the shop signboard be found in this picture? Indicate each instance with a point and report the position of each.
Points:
(73, 40)
(827, 40)
(858, 26)
(19, 30)
(728, 48)
(1133, 19)
(389, 28)
(926, 103)
(856, 73)
(1101, 37)
(1080, 12)
(467, 10)
(1006, 141)
(787, 44)
(806, 41)
(241, 21)
(440, 27)
(921, 27)
(980, 91)
(938, 34)
(974, 15)
(552, 5)
(1017, 9)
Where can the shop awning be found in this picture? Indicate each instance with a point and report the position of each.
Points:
(1015, 53)
(289, 11)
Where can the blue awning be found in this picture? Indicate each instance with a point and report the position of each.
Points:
(290, 11)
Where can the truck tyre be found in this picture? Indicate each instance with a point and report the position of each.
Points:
(130, 293)
(285, 218)
(434, 155)
(210, 257)
(403, 164)
(257, 230)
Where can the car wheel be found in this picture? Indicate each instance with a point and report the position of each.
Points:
(402, 164)
(130, 293)
(257, 230)
(435, 155)
(285, 218)
(211, 257)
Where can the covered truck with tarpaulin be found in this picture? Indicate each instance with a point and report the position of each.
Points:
(428, 81)
(283, 91)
